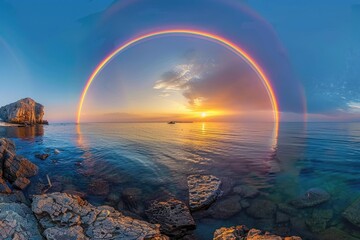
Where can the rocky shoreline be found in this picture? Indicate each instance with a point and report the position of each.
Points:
(60, 215)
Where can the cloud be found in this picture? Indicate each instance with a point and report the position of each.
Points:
(209, 86)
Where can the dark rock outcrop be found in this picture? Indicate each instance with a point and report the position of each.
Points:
(24, 111)
(14, 169)
(173, 216)
(65, 216)
(243, 233)
(203, 190)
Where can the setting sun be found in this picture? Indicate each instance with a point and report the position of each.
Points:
(203, 114)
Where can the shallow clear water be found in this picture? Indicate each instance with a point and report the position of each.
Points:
(103, 160)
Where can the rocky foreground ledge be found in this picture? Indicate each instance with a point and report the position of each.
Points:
(59, 215)
(25, 112)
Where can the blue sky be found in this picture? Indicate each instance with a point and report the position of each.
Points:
(310, 49)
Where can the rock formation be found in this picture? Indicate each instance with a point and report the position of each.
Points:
(14, 169)
(173, 216)
(352, 213)
(242, 232)
(203, 190)
(24, 111)
(65, 216)
(312, 197)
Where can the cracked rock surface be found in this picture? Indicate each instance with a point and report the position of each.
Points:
(65, 216)
(173, 216)
(203, 190)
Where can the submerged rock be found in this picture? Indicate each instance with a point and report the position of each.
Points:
(319, 219)
(246, 191)
(74, 215)
(24, 111)
(203, 190)
(227, 207)
(132, 201)
(335, 234)
(261, 209)
(352, 213)
(173, 216)
(99, 187)
(312, 197)
(243, 233)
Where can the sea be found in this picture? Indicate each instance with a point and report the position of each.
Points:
(129, 165)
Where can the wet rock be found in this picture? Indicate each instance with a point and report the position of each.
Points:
(70, 212)
(246, 191)
(99, 187)
(56, 151)
(226, 208)
(42, 156)
(18, 222)
(18, 166)
(261, 209)
(312, 197)
(24, 111)
(203, 190)
(21, 183)
(236, 232)
(352, 213)
(335, 234)
(76, 193)
(173, 216)
(4, 188)
(243, 233)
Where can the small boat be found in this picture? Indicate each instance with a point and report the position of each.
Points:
(171, 122)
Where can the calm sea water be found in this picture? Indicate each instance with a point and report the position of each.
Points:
(153, 160)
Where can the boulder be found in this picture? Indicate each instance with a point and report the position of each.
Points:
(21, 183)
(24, 111)
(173, 216)
(18, 166)
(203, 190)
(4, 188)
(319, 219)
(312, 197)
(243, 233)
(261, 209)
(352, 213)
(73, 215)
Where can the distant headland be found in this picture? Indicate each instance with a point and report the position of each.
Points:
(24, 112)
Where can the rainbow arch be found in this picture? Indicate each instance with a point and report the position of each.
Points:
(210, 36)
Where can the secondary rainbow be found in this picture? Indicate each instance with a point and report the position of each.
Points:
(210, 36)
